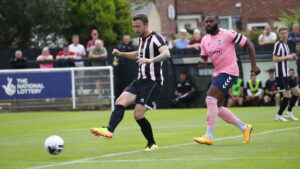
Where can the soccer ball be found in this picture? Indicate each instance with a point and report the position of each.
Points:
(54, 145)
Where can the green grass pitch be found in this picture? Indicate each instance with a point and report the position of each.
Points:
(272, 145)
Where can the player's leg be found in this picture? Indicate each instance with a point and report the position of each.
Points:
(296, 93)
(229, 102)
(277, 99)
(125, 99)
(139, 115)
(267, 99)
(240, 101)
(283, 104)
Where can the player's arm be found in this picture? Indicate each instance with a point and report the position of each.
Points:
(129, 55)
(280, 59)
(251, 51)
(164, 55)
(203, 61)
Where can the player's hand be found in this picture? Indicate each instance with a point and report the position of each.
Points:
(144, 61)
(255, 70)
(116, 52)
(293, 56)
(202, 62)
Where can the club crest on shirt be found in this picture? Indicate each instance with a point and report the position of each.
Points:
(219, 42)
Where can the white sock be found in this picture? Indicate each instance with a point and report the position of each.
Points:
(288, 113)
(241, 125)
(210, 133)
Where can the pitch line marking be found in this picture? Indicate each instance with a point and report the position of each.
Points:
(83, 160)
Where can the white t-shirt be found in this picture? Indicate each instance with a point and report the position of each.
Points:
(78, 49)
(272, 36)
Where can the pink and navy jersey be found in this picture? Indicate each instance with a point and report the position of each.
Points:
(149, 48)
(221, 50)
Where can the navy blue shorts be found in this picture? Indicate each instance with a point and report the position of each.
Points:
(146, 91)
(224, 82)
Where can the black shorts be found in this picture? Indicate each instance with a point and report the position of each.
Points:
(282, 84)
(146, 91)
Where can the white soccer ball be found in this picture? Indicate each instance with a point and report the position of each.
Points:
(54, 145)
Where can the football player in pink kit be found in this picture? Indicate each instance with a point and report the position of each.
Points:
(219, 46)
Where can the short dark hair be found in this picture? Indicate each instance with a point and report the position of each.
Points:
(282, 29)
(291, 69)
(271, 71)
(75, 36)
(141, 17)
(213, 15)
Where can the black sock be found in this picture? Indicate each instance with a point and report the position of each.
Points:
(283, 105)
(146, 130)
(293, 100)
(116, 117)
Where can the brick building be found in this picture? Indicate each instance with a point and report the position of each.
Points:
(241, 14)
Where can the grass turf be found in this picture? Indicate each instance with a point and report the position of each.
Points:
(22, 137)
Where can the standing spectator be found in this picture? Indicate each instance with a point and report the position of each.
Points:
(80, 53)
(98, 52)
(267, 37)
(184, 92)
(91, 43)
(236, 93)
(271, 90)
(67, 57)
(168, 42)
(254, 90)
(18, 61)
(45, 56)
(126, 46)
(182, 42)
(196, 40)
(294, 36)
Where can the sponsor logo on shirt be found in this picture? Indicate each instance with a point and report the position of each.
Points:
(216, 52)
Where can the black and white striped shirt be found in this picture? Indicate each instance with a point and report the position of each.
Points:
(149, 48)
(281, 49)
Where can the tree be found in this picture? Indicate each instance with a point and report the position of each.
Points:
(292, 16)
(110, 17)
(22, 20)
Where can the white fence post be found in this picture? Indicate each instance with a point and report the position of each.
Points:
(73, 88)
(112, 88)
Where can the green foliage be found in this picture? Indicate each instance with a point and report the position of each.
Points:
(22, 20)
(111, 18)
(253, 35)
(292, 16)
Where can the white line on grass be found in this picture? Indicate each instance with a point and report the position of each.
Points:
(84, 160)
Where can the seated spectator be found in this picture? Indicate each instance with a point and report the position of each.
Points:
(236, 93)
(196, 40)
(182, 42)
(95, 37)
(294, 36)
(254, 90)
(18, 61)
(184, 92)
(267, 37)
(271, 93)
(45, 56)
(98, 52)
(168, 42)
(67, 57)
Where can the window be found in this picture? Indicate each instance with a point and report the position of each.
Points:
(230, 22)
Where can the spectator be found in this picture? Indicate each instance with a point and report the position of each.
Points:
(271, 89)
(196, 40)
(168, 42)
(98, 52)
(298, 60)
(126, 46)
(236, 93)
(91, 43)
(182, 42)
(294, 36)
(80, 53)
(267, 37)
(184, 92)
(18, 62)
(78, 49)
(45, 56)
(67, 57)
(254, 90)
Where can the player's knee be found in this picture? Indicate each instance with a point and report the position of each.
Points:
(138, 115)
